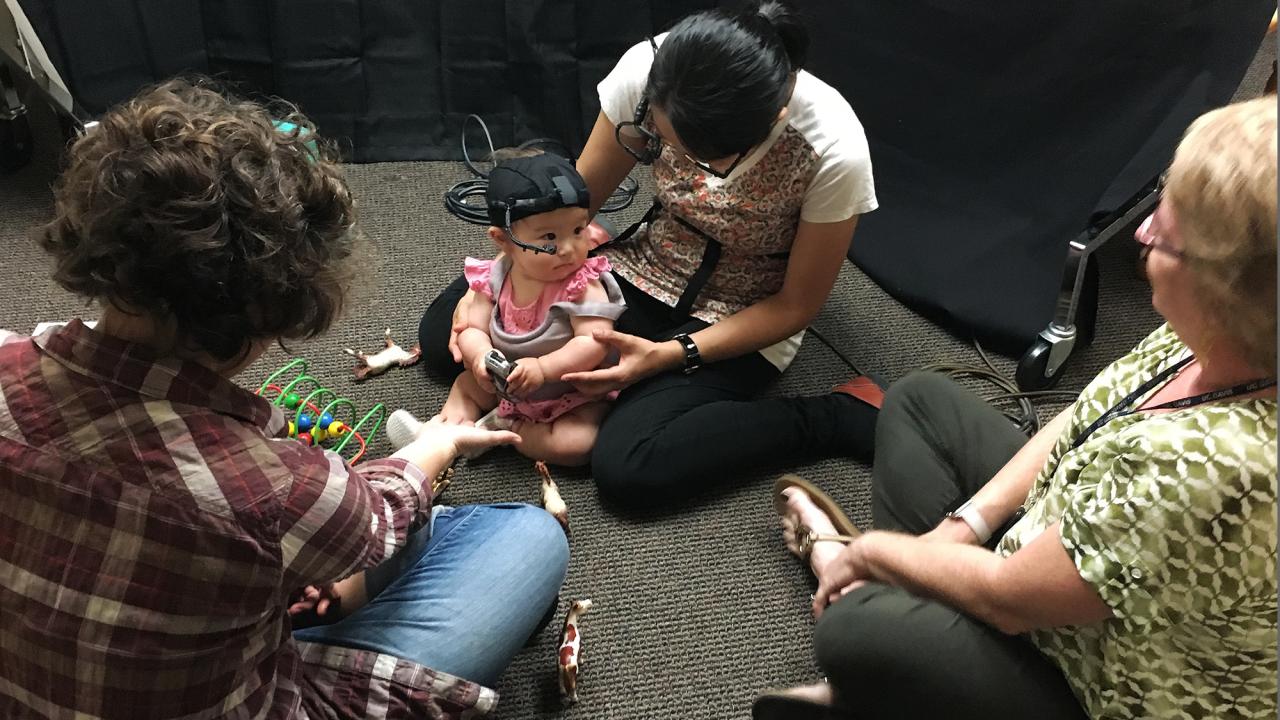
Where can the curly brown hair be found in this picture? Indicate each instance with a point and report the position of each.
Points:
(193, 206)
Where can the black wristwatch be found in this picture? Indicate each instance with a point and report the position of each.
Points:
(692, 358)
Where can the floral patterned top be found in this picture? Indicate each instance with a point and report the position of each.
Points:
(1171, 517)
(815, 167)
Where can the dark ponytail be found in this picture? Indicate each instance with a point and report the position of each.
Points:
(722, 75)
(786, 24)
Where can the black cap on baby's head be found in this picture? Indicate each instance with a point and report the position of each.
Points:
(527, 186)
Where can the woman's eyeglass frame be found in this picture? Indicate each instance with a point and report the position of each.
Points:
(652, 147)
(1150, 241)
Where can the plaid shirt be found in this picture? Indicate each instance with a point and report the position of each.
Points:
(154, 522)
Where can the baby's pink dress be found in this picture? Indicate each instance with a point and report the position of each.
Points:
(542, 327)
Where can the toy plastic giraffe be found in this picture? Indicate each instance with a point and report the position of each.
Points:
(551, 499)
(377, 363)
(570, 654)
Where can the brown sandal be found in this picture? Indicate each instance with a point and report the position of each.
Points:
(848, 532)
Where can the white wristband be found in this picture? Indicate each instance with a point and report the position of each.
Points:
(968, 512)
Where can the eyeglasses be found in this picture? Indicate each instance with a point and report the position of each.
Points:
(717, 173)
(1151, 241)
(651, 148)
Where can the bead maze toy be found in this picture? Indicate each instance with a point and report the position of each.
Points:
(317, 411)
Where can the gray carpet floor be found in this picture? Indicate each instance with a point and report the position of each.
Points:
(696, 609)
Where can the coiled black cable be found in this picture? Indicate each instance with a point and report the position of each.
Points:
(460, 200)
(1024, 416)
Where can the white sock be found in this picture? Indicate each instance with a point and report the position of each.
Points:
(402, 428)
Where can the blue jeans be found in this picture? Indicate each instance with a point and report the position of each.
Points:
(464, 597)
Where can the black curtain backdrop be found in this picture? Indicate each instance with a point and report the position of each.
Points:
(391, 80)
(996, 129)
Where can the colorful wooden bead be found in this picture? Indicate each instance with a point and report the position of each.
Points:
(325, 420)
(293, 429)
(305, 438)
(292, 400)
(317, 434)
(336, 429)
(304, 423)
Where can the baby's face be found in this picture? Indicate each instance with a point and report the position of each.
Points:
(564, 229)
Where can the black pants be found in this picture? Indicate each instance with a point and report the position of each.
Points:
(891, 654)
(672, 435)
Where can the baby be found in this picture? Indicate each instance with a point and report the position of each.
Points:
(537, 304)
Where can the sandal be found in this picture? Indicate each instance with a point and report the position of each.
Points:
(848, 532)
(867, 388)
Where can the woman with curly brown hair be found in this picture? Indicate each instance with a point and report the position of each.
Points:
(158, 527)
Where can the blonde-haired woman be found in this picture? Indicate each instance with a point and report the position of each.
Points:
(1137, 573)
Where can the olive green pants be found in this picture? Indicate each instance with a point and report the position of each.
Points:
(890, 654)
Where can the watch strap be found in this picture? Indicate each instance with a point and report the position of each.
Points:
(968, 512)
(692, 357)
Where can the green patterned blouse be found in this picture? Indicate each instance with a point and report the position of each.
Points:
(1172, 518)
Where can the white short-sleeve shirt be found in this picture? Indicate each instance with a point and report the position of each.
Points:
(814, 167)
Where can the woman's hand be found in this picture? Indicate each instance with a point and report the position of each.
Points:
(845, 572)
(313, 598)
(526, 378)
(460, 323)
(462, 439)
(639, 359)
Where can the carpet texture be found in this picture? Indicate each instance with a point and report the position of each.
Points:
(697, 608)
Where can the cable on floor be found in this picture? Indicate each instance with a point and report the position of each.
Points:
(1024, 413)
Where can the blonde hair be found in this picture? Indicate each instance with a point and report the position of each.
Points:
(1222, 188)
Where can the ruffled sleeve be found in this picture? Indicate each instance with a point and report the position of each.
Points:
(478, 274)
(577, 285)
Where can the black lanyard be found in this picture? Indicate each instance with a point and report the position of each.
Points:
(1122, 407)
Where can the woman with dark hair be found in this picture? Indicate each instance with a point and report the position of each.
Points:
(762, 171)
(159, 532)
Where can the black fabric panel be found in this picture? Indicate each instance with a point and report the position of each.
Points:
(998, 129)
(317, 49)
(133, 43)
(389, 80)
(403, 115)
(238, 43)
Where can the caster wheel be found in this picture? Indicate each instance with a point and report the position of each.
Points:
(1033, 368)
(15, 142)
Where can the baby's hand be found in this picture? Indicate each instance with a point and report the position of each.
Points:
(526, 378)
